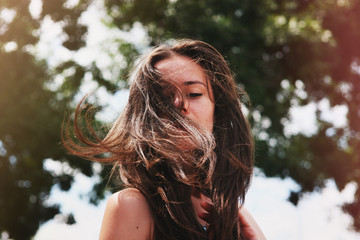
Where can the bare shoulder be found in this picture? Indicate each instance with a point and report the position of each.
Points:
(127, 216)
(130, 197)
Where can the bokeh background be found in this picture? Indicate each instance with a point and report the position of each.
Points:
(299, 61)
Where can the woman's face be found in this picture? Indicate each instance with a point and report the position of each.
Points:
(190, 79)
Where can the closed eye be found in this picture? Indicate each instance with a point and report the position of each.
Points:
(194, 95)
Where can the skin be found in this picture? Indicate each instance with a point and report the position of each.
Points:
(128, 215)
(190, 78)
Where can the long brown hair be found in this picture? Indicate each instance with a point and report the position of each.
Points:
(144, 145)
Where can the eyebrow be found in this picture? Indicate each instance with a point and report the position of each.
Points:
(187, 83)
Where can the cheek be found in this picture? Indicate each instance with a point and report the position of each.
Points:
(205, 115)
(211, 118)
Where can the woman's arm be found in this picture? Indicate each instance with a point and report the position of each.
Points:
(127, 216)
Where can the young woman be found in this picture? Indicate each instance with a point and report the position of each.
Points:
(183, 149)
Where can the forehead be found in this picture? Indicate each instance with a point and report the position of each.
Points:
(181, 70)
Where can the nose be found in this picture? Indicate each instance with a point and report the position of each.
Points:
(182, 105)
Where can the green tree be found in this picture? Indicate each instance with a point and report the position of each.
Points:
(31, 116)
(32, 112)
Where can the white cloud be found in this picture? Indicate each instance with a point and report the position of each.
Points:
(335, 115)
(317, 216)
(88, 217)
(302, 119)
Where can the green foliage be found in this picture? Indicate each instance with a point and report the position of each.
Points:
(27, 122)
(31, 117)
